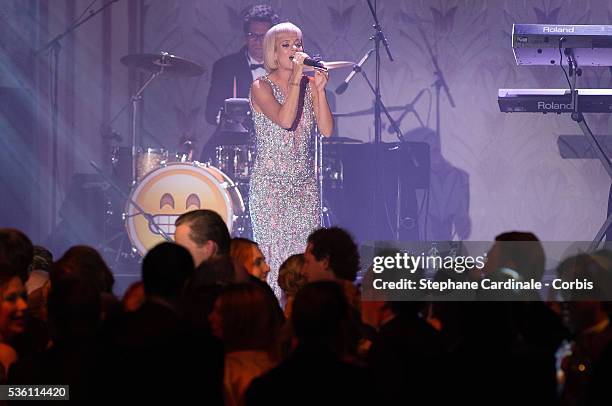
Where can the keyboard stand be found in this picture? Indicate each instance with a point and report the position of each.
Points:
(605, 161)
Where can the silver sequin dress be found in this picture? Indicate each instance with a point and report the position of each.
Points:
(283, 196)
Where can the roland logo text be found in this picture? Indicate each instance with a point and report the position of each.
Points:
(559, 30)
(554, 106)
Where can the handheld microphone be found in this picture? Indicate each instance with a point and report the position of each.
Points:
(356, 68)
(312, 62)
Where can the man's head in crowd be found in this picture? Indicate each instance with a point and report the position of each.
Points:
(257, 20)
(204, 234)
(42, 260)
(331, 253)
(165, 271)
(586, 308)
(517, 251)
(248, 254)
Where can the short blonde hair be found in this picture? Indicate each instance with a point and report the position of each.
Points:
(290, 276)
(269, 43)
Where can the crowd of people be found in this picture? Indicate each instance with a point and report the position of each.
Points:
(203, 323)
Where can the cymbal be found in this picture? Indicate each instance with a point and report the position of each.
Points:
(341, 140)
(169, 63)
(332, 65)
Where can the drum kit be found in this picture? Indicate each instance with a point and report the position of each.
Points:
(165, 184)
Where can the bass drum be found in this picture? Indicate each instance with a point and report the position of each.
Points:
(174, 189)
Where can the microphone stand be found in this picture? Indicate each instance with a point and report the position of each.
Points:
(378, 38)
(356, 69)
(440, 82)
(55, 47)
(393, 126)
(409, 108)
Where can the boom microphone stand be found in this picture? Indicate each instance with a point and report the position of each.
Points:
(440, 82)
(378, 38)
(55, 47)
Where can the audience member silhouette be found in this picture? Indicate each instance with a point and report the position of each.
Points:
(291, 279)
(149, 353)
(87, 263)
(133, 297)
(38, 271)
(16, 252)
(13, 307)
(331, 254)
(204, 234)
(247, 257)
(589, 323)
(315, 372)
(75, 309)
(248, 254)
(406, 355)
(246, 319)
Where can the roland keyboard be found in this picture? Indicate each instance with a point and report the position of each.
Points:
(538, 44)
(553, 100)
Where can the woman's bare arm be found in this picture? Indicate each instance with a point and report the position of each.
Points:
(264, 102)
(263, 98)
(323, 115)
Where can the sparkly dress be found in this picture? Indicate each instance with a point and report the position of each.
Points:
(283, 196)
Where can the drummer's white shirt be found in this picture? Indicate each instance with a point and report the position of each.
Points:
(256, 72)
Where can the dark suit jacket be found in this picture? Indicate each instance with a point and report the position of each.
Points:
(312, 376)
(407, 353)
(150, 354)
(222, 82)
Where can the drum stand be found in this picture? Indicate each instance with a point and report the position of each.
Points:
(139, 210)
(134, 100)
(324, 216)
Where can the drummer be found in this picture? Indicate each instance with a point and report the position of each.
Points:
(237, 71)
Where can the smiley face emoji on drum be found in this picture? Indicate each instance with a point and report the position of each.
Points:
(172, 190)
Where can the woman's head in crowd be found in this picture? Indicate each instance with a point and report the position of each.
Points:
(85, 262)
(248, 254)
(245, 317)
(13, 305)
(16, 252)
(290, 276)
